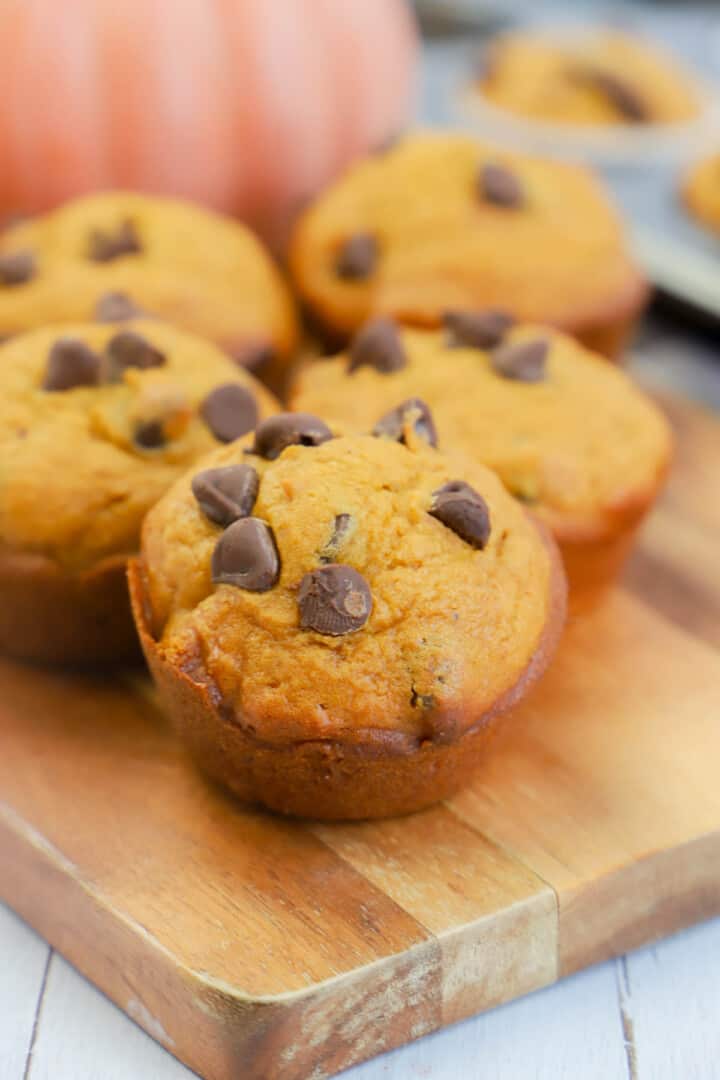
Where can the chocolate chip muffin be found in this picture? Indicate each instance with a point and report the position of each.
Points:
(701, 192)
(112, 255)
(96, 422)
(334, 622)
(568, 434)
(599, 79)
(442, 222)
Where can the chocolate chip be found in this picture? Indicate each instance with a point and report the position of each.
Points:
(149, 435)
(226, 494)
(357, 257)
(105, 245)
(341, 528)
(522, 360)
(116, 307)
(334, 600)
(462, 509)
(72, 363)
(500, 187)
(246, 556)
(477, 329)
(289, 429)
(128, 349)
(254, 355)
(620, 94)
(17, 267)
(393, 423)
(229, 411)
(377, 345)
(623, 97)
(421, 701)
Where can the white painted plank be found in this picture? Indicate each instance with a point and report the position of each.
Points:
(22, 970)
(670, 995)
(571, 1031)
(82, 1036)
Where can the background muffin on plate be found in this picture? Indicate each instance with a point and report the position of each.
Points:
(602, 78)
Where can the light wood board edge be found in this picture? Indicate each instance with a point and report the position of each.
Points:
(304, 1035)
(670, 890)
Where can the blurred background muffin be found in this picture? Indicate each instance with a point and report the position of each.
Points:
(112, 254)
(96, 422)
(442, 221)
(701, 192)
(599, 77)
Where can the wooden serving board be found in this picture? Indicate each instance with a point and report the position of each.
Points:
(265, 949)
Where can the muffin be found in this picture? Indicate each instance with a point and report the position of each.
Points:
(334, 622)
(96, 422)
(442, 222)
(116, 254)
(701, 192)
(568, 434)
(599, 79)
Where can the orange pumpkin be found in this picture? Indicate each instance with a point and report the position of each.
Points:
(249, 106)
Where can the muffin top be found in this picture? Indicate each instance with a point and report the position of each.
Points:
(325, 585)
(97, 421)
(601, 78)
(441, 221)
(102, 254)
(702, 191)
(567, 432)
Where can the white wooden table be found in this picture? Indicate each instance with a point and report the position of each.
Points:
(653, 1015)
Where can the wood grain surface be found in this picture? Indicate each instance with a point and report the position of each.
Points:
(243, 942)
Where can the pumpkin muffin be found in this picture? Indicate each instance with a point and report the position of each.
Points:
(96, 422)
(115, 254)
(441, 221)
(701, 192)
(334, 622)
(568, 434)
(599, 79)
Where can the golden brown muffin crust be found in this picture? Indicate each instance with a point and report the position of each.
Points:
(451, 629)
(364, 773)
(180, 262)
(581, 446)
(418, 230)
(74, 482)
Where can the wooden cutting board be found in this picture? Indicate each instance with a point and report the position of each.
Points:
(259, 948)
